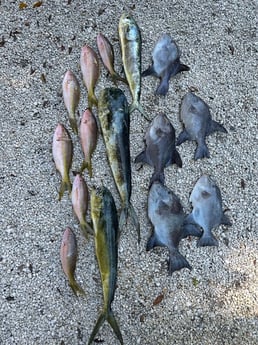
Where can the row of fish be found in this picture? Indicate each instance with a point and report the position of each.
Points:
(170, 223)
(106, 229)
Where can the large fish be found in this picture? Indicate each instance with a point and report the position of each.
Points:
(198, 123)
(62, 149)
(130, 40)
(166, 214)
(68, 254)
(115, 125)
(90, 71)
(71, 95)
(105, 223)
(106, 53)
(160, 149)
(207, 209)
(88, 138)
(80, 196)
(165, 63)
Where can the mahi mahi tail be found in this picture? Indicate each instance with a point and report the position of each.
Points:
(127, 212)
(109, 316)
(137, 106)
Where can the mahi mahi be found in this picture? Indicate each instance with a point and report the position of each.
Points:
(130, 40)
(105, 223)
(115, 125)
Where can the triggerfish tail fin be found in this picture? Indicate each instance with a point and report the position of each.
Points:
(177, 261)
(207, 240)
(65, 185)
(87, 165)
(137, 106)
(202, 151)
(109, 316)
(77, 289)
(73, 123)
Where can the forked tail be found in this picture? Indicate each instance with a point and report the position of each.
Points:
(109, 316)
(65, 185)
(127, 212)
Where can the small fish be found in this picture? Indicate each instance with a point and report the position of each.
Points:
(160, 149)
(197, 121)
(62, 149)
(71, 95)
(88, 138)
(114, 120)
(80, 197)
(106, 53)
(207, 209)
(131, 43)
(105, 223)
(68, 254)
(165, 63)
(166, 214)
(90, 72)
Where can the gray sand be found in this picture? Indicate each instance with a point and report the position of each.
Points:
(216, 302)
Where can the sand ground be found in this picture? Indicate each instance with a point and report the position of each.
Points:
(217, 301)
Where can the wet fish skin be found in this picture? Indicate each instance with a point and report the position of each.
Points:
(130, 41)
(165, 63)
(90, 71)
(68, 254)
(88, 138)
(207, 209)
(105, 223)
(80, 196)
(198, 124)
(160, 150)
(170, 226)
(62, 149)
(106, 53)
(71, 96)
(114, 120)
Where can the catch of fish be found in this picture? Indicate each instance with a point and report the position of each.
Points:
(165, 211)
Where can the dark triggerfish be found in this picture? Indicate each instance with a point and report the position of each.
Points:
(160, 149)
(166, 214)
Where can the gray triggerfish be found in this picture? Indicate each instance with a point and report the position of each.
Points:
(207, 209)
(196, 117)
(169, 224)
(165, 63)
